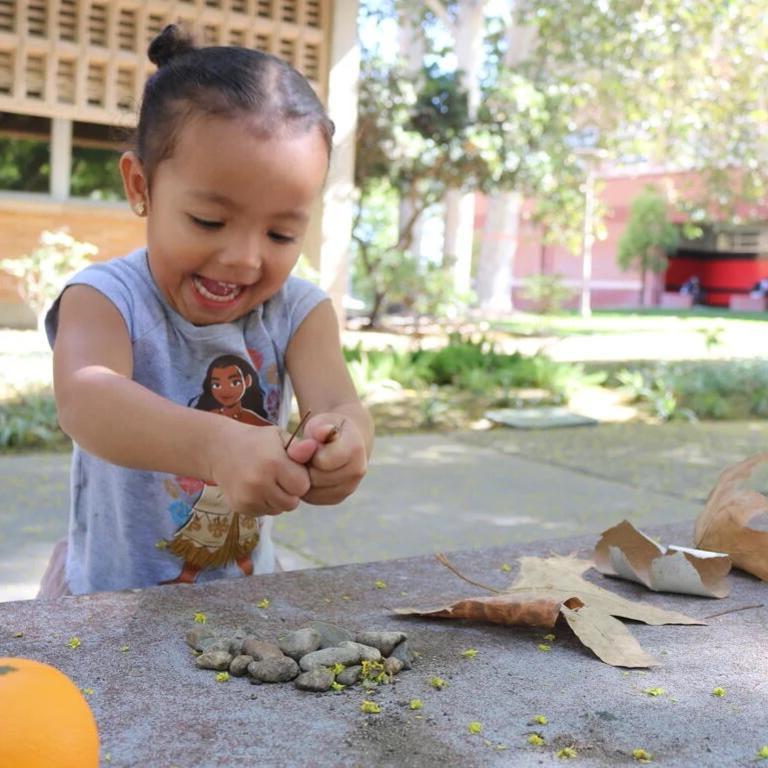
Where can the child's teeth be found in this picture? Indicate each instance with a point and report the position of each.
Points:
(216, 290)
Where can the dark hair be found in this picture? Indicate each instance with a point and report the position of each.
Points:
(253, 397)
(220, 80)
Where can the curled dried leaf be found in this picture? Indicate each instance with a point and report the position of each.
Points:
(722, 526)
(627, 553)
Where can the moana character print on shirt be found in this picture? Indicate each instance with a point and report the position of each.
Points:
(211, 535)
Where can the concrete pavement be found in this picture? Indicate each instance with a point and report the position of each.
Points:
(429, 493)
(154, 708)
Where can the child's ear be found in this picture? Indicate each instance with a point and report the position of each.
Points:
(134, 182)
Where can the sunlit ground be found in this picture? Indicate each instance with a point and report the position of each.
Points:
(25, 362)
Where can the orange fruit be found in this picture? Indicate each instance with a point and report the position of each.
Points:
(44, 719)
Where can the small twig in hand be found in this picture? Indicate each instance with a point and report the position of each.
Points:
(298, 428)
(334, 432)
(734, 610)
(441, 558)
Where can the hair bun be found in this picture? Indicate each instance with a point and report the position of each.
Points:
(169, 44)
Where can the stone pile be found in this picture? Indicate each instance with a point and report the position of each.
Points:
(319, 657)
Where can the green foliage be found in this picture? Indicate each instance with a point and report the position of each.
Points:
(466, 364)
(43, 272)
(441, 111)
(702, 390)
(547, 292)
(96, 174)
(649, 235)
(25, 165)
(30, 421)
(383, 273)
(388, 367)
(645, 76)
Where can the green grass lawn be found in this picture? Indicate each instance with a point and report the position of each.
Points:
(631, 321)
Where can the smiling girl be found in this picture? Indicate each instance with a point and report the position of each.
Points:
(232, 151)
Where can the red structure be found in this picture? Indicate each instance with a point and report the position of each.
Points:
(727, 259)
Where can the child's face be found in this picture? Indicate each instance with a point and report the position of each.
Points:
(227, 215)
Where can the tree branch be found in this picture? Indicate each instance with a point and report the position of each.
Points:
(440, 11)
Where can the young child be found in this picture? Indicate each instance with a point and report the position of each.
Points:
(152, 349)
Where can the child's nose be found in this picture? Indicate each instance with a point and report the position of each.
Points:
(245, 255)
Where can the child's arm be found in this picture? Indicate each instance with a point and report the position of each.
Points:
(323, 385)
(121, 421)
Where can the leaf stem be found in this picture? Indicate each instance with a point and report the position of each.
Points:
(734, 610)
(441, 558)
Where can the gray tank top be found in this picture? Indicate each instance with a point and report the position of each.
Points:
(131, 528)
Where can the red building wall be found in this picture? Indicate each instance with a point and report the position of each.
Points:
(610, 286)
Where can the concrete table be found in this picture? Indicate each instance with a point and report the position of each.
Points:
(154, 708)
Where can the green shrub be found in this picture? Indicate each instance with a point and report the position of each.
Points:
(704, 390)
(472, 365)
(548, 292)
(29, 421)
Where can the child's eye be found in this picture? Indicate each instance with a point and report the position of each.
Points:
(206, 223)
(278, 238)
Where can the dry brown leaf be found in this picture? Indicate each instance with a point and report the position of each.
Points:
(722, 526)
(562, 576)
(521, 609)
(608, 638)
(625, 552)
(550, 586)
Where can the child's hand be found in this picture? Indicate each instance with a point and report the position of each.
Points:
(339, 461)
(256, 474)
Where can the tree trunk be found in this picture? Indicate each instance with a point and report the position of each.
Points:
(378, 301)
(496, 258)
(497, 253)
(467, 31)
(458, 238)
(411, 49)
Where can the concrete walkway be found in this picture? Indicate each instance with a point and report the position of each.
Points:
(429, 493)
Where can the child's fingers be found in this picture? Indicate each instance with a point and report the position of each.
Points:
(324, 431)
(302, 451)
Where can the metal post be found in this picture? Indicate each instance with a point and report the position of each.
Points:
(587, 242)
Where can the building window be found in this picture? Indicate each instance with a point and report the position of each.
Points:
(25, 157)
(96, 150)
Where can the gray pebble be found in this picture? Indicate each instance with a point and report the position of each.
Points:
(350, 675)
(299, 643)
(236, 640)
(236, 645)
(403, 652)
(196, 636)
(218, 644)
(392, 665)
(218, 660)
(260, 649)
(331, 635)
(383, 640)
(328, 657)
(367, 652)
(239, 665)
(273, 670)
(318, 679)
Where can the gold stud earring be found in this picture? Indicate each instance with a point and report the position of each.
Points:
(140, 208)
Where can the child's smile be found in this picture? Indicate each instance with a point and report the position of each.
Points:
(215, 291)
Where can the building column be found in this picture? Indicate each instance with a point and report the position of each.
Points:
(61, 158)
(338, 200)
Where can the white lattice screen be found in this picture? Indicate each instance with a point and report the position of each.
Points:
(86, 59)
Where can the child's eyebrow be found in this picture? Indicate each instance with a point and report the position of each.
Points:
(297, 216)
(300, 217)
(212, 197)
